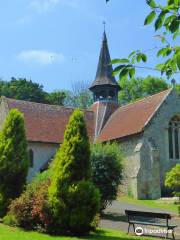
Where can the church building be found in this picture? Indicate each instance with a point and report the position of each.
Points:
(148, 130)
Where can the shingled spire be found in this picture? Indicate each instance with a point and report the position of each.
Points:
(105, 89)
(104, 74)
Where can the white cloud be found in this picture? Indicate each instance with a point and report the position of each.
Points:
(42, 57)
(70, 3)
(23, 20)
(42, 6)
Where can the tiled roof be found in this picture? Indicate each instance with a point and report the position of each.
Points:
(47, 123)
(102, 112)
(132, 118)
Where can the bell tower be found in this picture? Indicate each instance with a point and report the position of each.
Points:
(104, 88)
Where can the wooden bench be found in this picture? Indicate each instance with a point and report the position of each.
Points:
(153, 217)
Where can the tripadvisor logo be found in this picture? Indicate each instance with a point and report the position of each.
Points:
(139, 231)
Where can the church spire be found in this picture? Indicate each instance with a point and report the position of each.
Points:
(105, 89)
(104, 81)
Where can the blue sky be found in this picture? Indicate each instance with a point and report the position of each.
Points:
(57, 42)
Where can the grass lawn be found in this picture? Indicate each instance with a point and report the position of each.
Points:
(151, 203)
(11, 233)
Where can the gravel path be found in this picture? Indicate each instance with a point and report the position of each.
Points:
(114, 216)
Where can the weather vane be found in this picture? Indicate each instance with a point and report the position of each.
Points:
(104, 23)
(173, 82)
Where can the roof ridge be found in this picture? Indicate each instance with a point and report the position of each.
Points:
(157, 108)
(142, 99)
(46, 104)
(137, 128)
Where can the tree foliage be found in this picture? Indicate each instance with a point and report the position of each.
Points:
(137, 88)
(22, 89)
(14, 160)
(152, 85)
(79, 96)
(173, 180)
(56, 97)
(73, 197)
(31, 210)
(165, 18)
(107, 168)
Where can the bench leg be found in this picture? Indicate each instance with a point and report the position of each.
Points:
(173, 234)
(134, 228)
(173, 237)
(166, 234)
(128, 228)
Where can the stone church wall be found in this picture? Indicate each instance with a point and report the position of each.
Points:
(42, 153)
(3, 111)
(131, 167)
(141, 177)
(148, 178)
(147, 156)
(157, 131)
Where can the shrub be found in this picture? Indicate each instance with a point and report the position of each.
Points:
(10, 220)
(107, 168)
(14, 161)
(31, 209)
(73, 197)
(172, 180)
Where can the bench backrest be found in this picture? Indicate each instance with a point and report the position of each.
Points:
(147, 214)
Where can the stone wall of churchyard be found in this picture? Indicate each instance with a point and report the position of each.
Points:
(157, 132)
(42, 152)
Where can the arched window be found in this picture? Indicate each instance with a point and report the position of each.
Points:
(31, 158)
(174, 135)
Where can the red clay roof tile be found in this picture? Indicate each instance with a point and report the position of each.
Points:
(132, 118)
(47, 123)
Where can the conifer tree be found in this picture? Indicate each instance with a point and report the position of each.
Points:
(13, 159)
(74, 198)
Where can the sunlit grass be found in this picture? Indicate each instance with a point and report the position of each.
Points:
(151, 203)
(12, 233)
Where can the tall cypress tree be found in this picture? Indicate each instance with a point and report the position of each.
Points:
(14, 161)
(74, 198)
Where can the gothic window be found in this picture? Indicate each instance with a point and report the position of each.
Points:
(174, 134)
(31, 158)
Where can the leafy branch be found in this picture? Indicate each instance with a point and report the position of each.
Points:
(166, 18)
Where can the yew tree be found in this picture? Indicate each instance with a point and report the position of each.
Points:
(14, 160)
(73, 197)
